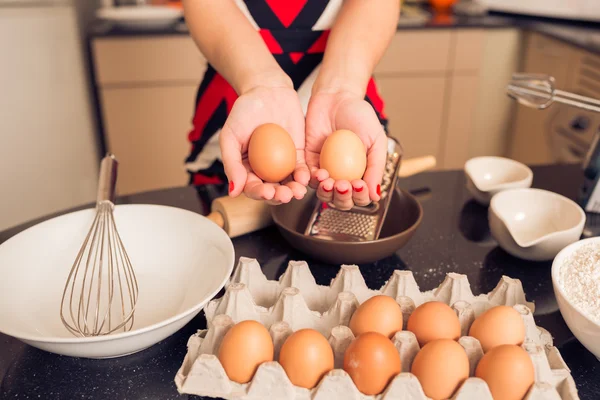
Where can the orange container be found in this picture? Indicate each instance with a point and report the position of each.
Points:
(442, 5)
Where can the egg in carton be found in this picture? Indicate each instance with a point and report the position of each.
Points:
(296, 301)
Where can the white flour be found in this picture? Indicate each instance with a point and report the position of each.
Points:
(579, 277)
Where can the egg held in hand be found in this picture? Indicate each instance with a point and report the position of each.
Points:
(433, 320)
(372, 361)
(498, 325)
(245, 346)
(271, 153)
(343, 156)
(441, 367)
(508, 370)
(380, 314)
(306, 356)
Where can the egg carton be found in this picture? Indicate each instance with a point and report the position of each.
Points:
(296, 301)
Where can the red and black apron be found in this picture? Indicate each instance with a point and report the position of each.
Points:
(295, 31)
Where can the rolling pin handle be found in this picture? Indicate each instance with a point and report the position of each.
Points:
(217, 218)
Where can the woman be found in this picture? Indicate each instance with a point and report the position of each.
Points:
(303, 64)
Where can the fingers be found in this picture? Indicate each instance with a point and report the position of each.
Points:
(312, 162)
(376, 159)
(298, 191)
(231, 151)
(360, 193)
(325, 190)
(342, 195)
(301, 173)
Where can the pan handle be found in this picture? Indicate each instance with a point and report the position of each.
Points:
(415, 165)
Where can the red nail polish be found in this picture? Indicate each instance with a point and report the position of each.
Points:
(231, 186)
(378, 190)
(327, 190)
(359, 189)
(343, 192)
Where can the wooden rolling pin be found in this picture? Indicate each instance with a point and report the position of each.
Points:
(240, 215)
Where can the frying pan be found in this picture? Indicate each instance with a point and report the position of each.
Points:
(400, 224)
(240, 215)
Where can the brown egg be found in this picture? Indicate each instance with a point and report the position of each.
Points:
(508, 371)
(344, 155)
(380, 314)
(498, 325)
(433, 320)
(441, 366)
(306, 356)
(245, 346)
(271, 153)
(372, 361)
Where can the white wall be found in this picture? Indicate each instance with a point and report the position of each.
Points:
(48, 150)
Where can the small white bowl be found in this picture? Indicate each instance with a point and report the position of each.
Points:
(584, 329)
(487, 176)
(181, 260)
(534, 224)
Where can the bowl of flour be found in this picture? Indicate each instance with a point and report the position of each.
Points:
(576, 282)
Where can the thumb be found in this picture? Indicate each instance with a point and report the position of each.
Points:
(376, 160)
(231, 152)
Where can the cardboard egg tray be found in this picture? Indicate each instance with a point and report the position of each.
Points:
(295, 301)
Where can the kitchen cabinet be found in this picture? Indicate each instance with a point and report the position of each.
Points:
(146, 129)
(430, 94)
(147, 88)
(560, 133)
(414, 108)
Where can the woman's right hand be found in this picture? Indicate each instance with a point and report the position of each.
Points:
(272, 103)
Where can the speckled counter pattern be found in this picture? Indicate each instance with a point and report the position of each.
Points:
(454, 236)
(584, 35)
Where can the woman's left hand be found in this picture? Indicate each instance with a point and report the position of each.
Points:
(333, 110)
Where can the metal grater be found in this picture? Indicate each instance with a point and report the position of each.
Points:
(359, 224)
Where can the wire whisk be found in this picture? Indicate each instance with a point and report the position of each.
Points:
(539, 91)
(101, 291)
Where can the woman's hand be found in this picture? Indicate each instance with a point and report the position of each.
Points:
(277, 104)
(329, 111)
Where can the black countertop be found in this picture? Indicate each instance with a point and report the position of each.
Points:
(585, 35)
(454, 237)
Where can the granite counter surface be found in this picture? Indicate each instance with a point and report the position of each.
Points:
(454, 237)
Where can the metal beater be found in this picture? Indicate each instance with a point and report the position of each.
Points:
(539, 91)
(101, 292)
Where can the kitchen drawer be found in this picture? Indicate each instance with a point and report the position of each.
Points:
(125, 61)
(417, 52)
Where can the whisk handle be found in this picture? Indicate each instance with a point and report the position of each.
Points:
(108, 179)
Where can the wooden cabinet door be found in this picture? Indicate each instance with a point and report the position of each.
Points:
(414, 107)
(146, 128)
(529, 143)
(456, 136)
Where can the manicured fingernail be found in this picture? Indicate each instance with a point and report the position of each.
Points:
(319, 179)
(231, 186)
(359, 189)
(378, 190)
(327, 190)
(343, 192)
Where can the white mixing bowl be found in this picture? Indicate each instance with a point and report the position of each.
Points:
(534, 224)
(585, 330)
(181, 259)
